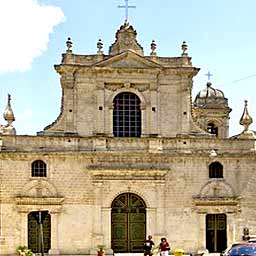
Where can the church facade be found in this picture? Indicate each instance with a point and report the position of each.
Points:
(130, 154)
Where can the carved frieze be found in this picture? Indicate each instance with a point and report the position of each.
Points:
(114, 86)
(140, 87)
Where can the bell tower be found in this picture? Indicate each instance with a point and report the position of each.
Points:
(211, 111)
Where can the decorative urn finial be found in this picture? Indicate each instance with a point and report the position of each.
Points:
(153, 48)
(246, 119)
(100, 47)
(8, 113)
(184, 48)
(69, 45)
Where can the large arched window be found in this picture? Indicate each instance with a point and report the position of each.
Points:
(127, 115)
(38, 169)
(215, 170)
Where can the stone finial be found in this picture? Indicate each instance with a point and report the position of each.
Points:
(100, 47)
(8, 113)
(69, 45)
(246, 119)
(184, 48)
(153, 48)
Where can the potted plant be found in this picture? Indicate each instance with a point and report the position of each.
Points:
(22, 250)
(101, 251)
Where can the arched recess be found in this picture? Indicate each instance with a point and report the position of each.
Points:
(128, 223)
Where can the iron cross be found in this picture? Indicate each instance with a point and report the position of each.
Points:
(208, 75)
(126, 6)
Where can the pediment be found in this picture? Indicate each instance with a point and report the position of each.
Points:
(128, 59)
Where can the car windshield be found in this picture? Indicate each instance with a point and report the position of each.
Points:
(243, 251)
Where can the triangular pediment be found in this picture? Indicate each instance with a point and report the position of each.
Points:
(128, 59)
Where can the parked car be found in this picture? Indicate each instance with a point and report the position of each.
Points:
(225, 252)
(246, 249)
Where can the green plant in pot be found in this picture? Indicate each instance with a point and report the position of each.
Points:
(22, 250)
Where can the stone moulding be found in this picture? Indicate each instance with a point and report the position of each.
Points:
(128, 174)
(216, 204)
(20, 200)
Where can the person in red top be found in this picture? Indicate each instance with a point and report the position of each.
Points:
(164, 247)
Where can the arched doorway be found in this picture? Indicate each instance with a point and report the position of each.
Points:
(35, 233)
(128, 223)
(216, 232)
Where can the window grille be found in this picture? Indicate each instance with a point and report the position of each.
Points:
(38, 168)
(127, 115)
(215, 170)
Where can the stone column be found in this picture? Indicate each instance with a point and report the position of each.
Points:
(109, 118)
(230, 229)
(154, 113)
(201, 231)
(100, 110)
(24, 227)
(143, 120)
(54, 232)
(106, 228)
(151, 221)
(184, 105)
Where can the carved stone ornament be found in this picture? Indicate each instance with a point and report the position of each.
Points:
(113, 87)
(125, 40)
(140, 87)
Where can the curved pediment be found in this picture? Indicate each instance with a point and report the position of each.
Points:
(39, 188)
(216, 189)
(128, 59)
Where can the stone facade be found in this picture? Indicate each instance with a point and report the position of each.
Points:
(168, 166)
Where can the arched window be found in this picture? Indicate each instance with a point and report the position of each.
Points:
(212, 129)
(215, 170)
(127, 115)
(38, 168)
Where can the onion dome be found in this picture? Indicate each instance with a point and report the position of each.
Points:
(210, 96)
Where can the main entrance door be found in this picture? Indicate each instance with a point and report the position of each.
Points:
(128, 223)
(34, 231)
(216, 232)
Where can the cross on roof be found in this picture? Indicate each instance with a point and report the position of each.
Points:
(208, 75)
(126, 6)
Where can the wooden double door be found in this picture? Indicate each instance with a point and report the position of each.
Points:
(128, 223)
(216, 232)
(36, 235)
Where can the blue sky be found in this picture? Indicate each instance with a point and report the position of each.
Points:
(220, 35)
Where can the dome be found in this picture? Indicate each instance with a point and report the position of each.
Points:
(210, 92)
(210, 95)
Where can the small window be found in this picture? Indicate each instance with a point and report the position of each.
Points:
(38, 168)
(215, 170)
(212, 129)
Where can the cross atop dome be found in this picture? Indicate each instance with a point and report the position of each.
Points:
(208, 74)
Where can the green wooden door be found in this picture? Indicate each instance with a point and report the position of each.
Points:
(216, 233)
(128, 223)
(34, 235)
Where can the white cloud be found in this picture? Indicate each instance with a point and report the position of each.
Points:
(25, 26)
